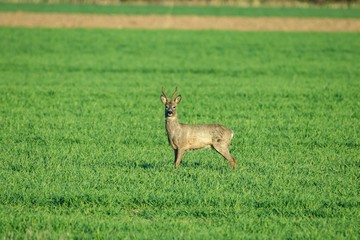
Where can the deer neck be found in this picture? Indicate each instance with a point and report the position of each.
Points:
(171, 123)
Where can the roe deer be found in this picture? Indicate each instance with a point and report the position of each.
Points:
(183, 137)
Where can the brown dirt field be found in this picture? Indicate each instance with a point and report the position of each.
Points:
(22, 19)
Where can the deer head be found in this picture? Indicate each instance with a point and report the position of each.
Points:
(170, 104)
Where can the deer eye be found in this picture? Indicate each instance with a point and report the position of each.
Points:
(174, 107)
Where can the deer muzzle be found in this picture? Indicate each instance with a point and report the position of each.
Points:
(169, 113)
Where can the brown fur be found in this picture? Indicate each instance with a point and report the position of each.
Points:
(184, 137)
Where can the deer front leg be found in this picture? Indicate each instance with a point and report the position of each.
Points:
(178, 155)
(175, 153)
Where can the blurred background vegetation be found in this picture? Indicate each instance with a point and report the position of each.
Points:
(334, 3)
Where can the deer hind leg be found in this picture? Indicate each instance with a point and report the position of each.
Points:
(178, 156)
(223, 149)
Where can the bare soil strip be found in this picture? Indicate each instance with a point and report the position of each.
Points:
(22, 19)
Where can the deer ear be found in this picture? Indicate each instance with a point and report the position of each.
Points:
(163, 99)
(177, 99)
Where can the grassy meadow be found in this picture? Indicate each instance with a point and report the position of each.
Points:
(128, 9)
(84, 153)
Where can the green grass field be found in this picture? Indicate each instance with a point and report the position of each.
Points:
(84, 153)
(353, 12)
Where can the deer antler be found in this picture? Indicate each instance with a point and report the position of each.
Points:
(163, 91)
(173, 95)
